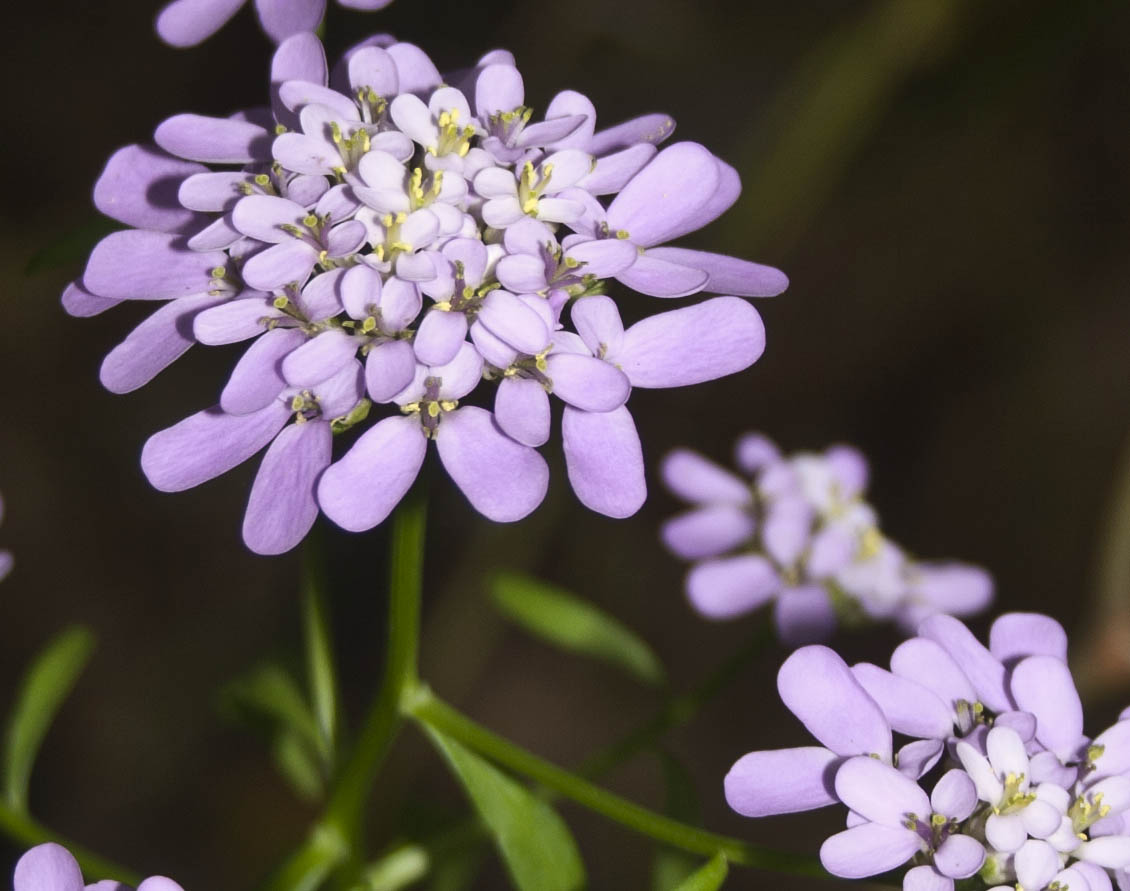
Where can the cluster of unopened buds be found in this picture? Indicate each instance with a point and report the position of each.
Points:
(795, 530)
(1019, 795)
(383, 238)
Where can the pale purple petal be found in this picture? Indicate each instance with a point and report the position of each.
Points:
(952, 588)
(613, 172)
(288, 263)
(708, 531)
(787, 529)
(597, 321)
(373, 68)
(440, 335)
(1043, 686)
(954, 795)
(781, 781)
(819, 688)
(213, 140)
(416, 71)
(305, 154)
(650, 128)
(256, 381)
(587, 383)
(282, 18)
(233, 321)
(207, 444)
(1036, 864)
(212, 191)
(514, 322)
(281, 508)
(671, 189)
(504, 480)
(959, 856)
(389, 369)
(187, 22)
(461, 375)
(692, 345)
(79, 302)
(926, 878)
(521, 408)
(926, 662)
(604, 460)
(981, 667)
(917, 758)
(727, 275)
(693, 478)
(754, 451)
(153, 345)
(498, 88)
(361, 490)
(731, 586)
(1115, 758)
(879, 793)
(868, 850)
(1005, 832)
(1016, 635)
(804, 615)
(139, 187)
(264, 216)
(319, 358)
(1110, 852)
(142, 265)
(603, 258)
(910, 708)
(662, 278)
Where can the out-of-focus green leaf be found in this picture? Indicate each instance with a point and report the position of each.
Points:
(672, 867)
(568, 622)
(534, 841)
(322, 677)
(709, 878)
(48, 682)
(72, 247)
(298, 764)
(397, 869)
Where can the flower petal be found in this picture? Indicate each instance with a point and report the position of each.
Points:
(707, 531)
(521, 408)
(282, 18)
(139, 187)
(693, 478)
(656, 277)
(281, 508)
(185, 23)
(728, 587)
(868, 850)
(256, 381)
(389, 369)
(911, 708)
(879, 793)
(804, 615)
(213, 140)
(604, 460)
(587, 383)
(781, 781)
(1016, 635)
(959, 857)
(980, 666)
(138, 264)
(1043, 686)
(727, 275)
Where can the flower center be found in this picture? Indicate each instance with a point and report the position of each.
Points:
(1016, 796)
(531, 184)
(452, 139)
(506, 125)
(418, 195)
(431, 407)
(350, 146)
(1085, 811)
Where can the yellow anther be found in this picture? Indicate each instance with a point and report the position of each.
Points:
(433, 409)
(410, 408)
(280, 129)
(281, 302)
(401, 217)
(448, 404)
(622, 234)
(870, 544)
(335, 132)
(379, 253)
(442, 306)
(368, 325)
(387, 220)
(571, 262)
(938, 820)
(297, 403)
(218, 272)
(468, 292)
(309, 221)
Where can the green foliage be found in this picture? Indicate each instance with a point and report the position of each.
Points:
(269, 699)
(47, 684)
(321, 675)
(671, 867)
(534, 841)
(709, 878)
(397, 869)
(566, 621)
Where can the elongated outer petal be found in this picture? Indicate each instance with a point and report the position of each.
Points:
(587, 383)
(79, 302)
(300, 57)
(361, 490)
(910, 708)
(926, 662)
(731, 586)
(207, 444)
(289, 262)
(650, 128)
(416, 71)
(604, 460)
(371, 67)
(926, 878)
(656, 277)
(187, 22)
(819, 688)
(281, 508)
(597, 321)
(153, 345)
(503, 479)
(1115, 757)
(879, 793)
(389, 368)
(613, 172)
(804, 615)
(263, 216)
(671, 189)
(233, 321)
(605, 257)
(728, 275)
(141, 265)
(708, 531)
(521, 408)
(693, 344)
(1110, 852)
(983, 669)
(952, 588)
(282, 18)
(139, 187)
(781, 781)
(1043, 686)
(1015, 635)
(213, 140)
(498, 88)
(320, 358)
(1095, 877)
(868, 850)
(256, 381)
(698, 480)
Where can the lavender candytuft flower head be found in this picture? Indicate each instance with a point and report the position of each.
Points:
(185, 23)
(1022, 796)
(392, 247)
(51, 867)
(797, 531)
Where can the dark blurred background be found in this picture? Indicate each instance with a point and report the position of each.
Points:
(946, 183)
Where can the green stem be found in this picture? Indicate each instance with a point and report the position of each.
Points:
(335, 838)
(22, 828)
(426, 708)
(679, 710)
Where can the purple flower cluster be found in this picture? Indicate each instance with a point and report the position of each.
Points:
(381, 238)
(796, 530)
(51, 867)
(188, 22)
(1020, 794)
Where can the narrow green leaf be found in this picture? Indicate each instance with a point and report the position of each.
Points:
(568, 622)
(268, 693)
(72, 247)
(709, 878)
(298, 764)
(670, 868)
(534, 841)
(397, 869)
(47, 684)
(321, 676)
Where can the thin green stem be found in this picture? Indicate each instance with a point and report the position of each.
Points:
(679, 710)
(22, 828)
(425, 707)
(320, 672)
(335, 839)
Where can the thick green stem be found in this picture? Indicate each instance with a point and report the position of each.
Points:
(22, 828)
(335, 838)
(425, 707)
